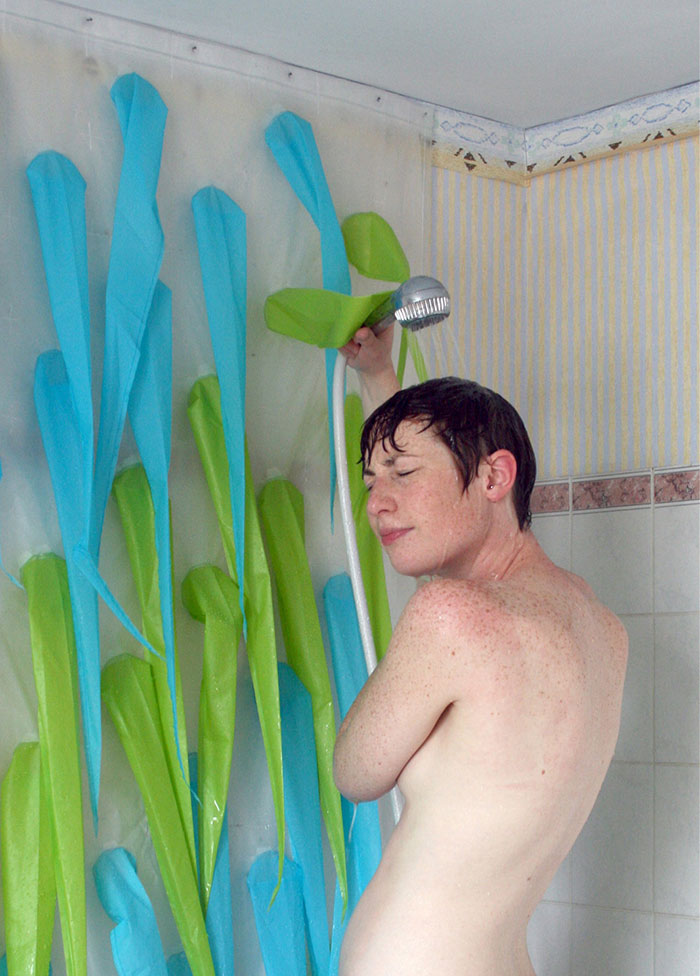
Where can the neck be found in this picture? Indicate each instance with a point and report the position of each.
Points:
(503, 555)
(507, 559)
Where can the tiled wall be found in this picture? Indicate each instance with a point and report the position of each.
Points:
(625, 902)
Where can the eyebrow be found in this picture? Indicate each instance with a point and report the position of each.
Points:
(389, 462)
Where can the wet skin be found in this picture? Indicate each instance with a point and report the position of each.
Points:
(496, 709)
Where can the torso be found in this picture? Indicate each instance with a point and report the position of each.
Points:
(499, 790)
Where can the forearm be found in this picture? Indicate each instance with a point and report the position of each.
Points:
(387, 723)
(356, 771)
(370, 356)
(375, 388)
(356, 757)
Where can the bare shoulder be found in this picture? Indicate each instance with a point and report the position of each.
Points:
(447, 611)
(611, 624)
(452, 596)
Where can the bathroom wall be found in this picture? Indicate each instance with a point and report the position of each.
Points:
(625, 901)
(576, 297)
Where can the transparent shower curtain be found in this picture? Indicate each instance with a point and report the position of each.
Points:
(55, 78)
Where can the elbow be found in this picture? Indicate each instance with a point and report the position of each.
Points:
(355, 783)
(342, 780)
(360, 792)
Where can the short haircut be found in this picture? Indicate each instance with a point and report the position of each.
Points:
(471, 420)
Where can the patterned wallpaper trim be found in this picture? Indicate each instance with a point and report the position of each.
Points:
(467, 143)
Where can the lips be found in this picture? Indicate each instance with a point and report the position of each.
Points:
(387, 536)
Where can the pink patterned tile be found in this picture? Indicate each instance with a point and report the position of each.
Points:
(612, 492)
(550, 498)
(617, 491)
(677, 486)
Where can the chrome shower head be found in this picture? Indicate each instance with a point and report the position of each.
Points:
(418, 302)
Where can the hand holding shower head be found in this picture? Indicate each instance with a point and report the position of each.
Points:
(418, 302)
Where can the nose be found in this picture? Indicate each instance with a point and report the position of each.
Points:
(381, 499)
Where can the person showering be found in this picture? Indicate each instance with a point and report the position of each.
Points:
(496, 707)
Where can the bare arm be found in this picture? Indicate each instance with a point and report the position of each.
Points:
(370, 356)
(404, 698)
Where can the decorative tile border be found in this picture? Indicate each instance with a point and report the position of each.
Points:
(553, 497)
(617, 491)
(677, 486)
(471, 144)
(611, 492)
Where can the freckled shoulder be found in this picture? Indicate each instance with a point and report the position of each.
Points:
(448, 610)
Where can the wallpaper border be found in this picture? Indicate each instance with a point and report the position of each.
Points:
(467, 143)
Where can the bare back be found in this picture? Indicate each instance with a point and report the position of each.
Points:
(502, 784)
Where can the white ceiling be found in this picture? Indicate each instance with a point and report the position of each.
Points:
(524, 62)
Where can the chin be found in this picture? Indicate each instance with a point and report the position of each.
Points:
(414, 567)
(404, 568)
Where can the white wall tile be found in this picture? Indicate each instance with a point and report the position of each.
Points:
(549, 939)
(676, 946)
(613, 943)
(613, 856)
(677, 854)
(612, 551)
(553, 532)
(677, 681)
(676, 558)
(636, 740)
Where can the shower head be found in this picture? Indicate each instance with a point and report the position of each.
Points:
(418, 302)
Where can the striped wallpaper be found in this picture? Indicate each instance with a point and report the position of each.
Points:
(576, 297)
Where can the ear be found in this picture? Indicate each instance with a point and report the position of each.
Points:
(500, 469)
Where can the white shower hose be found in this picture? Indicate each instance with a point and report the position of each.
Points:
(341, 463)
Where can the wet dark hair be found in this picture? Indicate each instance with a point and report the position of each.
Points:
(471, 420)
